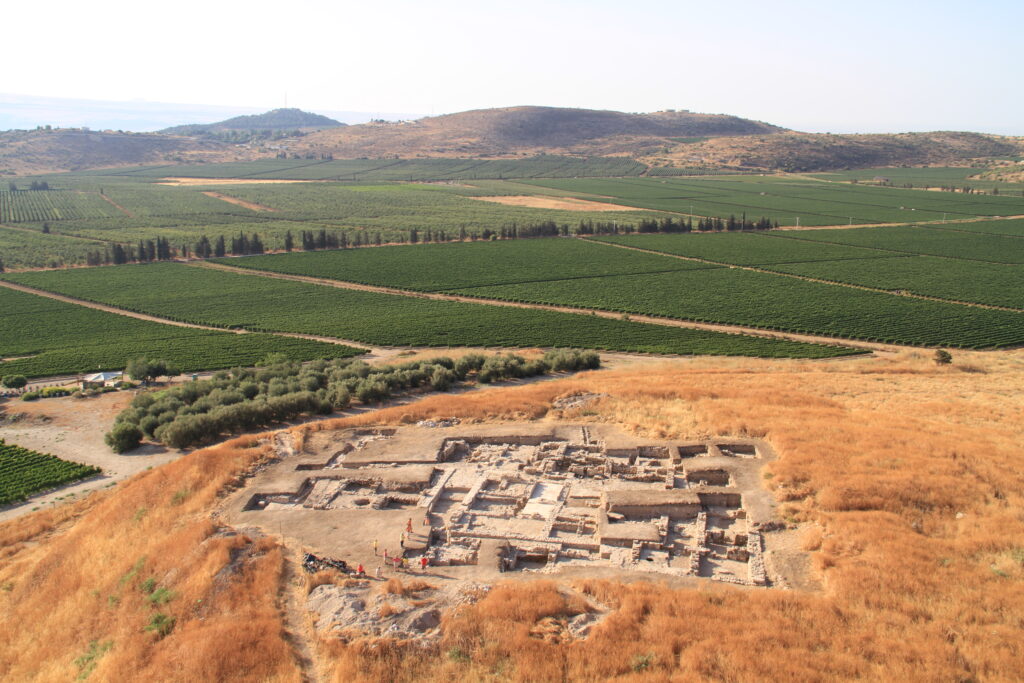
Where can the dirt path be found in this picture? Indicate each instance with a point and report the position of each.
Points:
(845, 226)
(806, 278)
(654, 320)
(297, 631)
(253, 206)
(58, 234)
(551, 202)
(111, 309)
(117, 206)
(73, 429)
(374, 352)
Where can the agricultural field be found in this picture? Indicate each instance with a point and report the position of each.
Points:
(743, 249)
(549, 166)
(24, 472)
(788, 200)
(405, 206)
(741, 297)
(214, 297)
(51, 205)
(925, 241)
(944, 278)
(42, 337)
(1012, 228)
(948, 176)
(23, 248)
(437, 267)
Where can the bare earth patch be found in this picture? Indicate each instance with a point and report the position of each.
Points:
(240, 202)
(228, 181)
(563, 203)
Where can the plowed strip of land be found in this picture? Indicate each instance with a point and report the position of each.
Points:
(240, 202)
(562, 203)
(228, 181)
(117, 206)
(654, 320)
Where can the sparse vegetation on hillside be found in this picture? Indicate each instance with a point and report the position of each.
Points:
(914, 537)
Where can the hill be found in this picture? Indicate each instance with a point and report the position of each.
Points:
(277, 119)
(669, 139)
(530, 130)
(804, 152)
(913, 539)
(62, 149)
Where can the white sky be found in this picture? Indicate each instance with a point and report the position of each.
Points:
(867, 66)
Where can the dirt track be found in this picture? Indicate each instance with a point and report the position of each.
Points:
(755, 269)
(669, 322)
(252, 206)
(374, 351)
(562, 203)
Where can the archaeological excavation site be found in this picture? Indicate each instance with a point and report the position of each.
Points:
(479, 502)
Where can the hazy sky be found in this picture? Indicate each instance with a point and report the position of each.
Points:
(820, 65)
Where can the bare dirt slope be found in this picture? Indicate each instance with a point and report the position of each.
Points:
(904, 476)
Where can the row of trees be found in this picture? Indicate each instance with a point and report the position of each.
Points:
(250, 398)
(35, 185)
(161, 249)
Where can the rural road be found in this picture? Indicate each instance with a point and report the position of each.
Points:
(653, 320)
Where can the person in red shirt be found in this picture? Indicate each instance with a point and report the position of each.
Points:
(423, 563)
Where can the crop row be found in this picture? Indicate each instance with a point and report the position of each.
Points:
(927, 241)
(24, 472)
(47, 337)
(437, 267)
(744, 249)
(254, 302)
(741, 297)
(943, 278)
(813, 203)
(51, 205)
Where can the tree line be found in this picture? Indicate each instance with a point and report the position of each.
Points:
(161, 249)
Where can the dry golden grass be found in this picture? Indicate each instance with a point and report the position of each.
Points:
(105, 567)
(908, 475)
(910, 472)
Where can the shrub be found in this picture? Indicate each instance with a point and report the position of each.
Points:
(15, 381)
(123, 437)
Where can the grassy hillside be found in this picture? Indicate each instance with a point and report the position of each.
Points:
(913, 541)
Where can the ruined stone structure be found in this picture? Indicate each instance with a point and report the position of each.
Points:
(539, 497)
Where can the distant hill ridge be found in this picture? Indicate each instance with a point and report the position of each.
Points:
(679, 139)
(530, 129)
(276, 119)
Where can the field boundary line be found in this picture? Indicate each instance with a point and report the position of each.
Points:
(117, 206)
(806, 278)
(252, 206)
(902, 251)
(107, 308)
(724, 328)
(5, 226)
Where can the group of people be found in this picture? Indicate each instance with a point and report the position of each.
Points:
(399, 561)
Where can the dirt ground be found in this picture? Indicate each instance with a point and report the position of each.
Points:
(73, 429)
(563, 203)
(240, 202)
